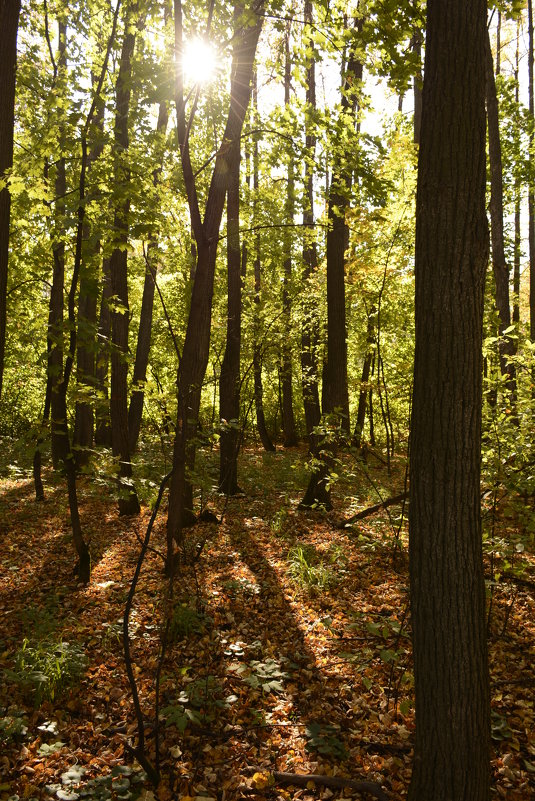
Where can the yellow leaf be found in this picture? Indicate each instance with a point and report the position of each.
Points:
(262, 780)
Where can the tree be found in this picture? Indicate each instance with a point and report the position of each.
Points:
(195, 352)
(9, 22)
(451, 758)
(128, 501)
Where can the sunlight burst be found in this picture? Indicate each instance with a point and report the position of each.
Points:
(199, 61)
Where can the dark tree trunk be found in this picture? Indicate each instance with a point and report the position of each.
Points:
(451, 759)
(335, 397)
(364, 381)
(135, 410)
(499, 264)
(9, 22)
(310, 324)
(58, 401)
(257, 332)
(196, 347)
(87, 318)
(229, 382)
(103, 427)
(128, 501)
(287, 408)
(531, 188)
(417, 87)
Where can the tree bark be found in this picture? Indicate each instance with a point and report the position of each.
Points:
(9, 23)
(128, 501)
(103, 427)
(451, 759)
(229, 382)
(364, 381)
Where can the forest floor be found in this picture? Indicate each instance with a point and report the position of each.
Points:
(289, 645)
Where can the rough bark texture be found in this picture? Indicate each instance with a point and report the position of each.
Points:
(9, 21)
(229, 382)
(128, 501)
(451, 761)
(103, 428)
(195, 352)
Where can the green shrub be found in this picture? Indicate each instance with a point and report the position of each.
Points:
(307, 569)
(46, 668)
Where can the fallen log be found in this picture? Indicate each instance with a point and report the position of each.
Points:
(371, 510)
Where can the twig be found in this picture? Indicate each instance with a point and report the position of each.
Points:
(371, 510)
(336, 782)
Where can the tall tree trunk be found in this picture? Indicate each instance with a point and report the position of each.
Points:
(417, 39)
(287, 408)
(103, 427)
(518, 203)
(335, 397)
(135, 410)
(451, 758)
(364, 381)
(9, 22)
(87, 316)
(310, 324)
(229, 382)
(531, 187)
(58, 401)
(128, 501)
(196, 347)
(261, 427)
(499, 264)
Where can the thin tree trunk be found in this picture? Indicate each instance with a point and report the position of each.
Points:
(135, 410)
(58, 403)
(287, 409)
(128, 500)
(364, 382)
(518, 202)
(499, 264)
(452, 745)
(310, 324)
(103, 427)
(257, 333)
(9, 21)
(229, 382)
(531, 187)
(87, 318)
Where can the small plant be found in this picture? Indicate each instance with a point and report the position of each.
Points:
(46, 668)
(307, 569)
(323, 739)
(279, 523)
(197, 704)
(185, 621)
(13, 726)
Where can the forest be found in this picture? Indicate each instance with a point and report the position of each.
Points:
(267, 400)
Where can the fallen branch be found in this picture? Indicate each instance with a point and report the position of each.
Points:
(371, 510)
(335, 782)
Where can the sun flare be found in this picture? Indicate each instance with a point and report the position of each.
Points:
(199, 61)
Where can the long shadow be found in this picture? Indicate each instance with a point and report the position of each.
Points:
(279, 631)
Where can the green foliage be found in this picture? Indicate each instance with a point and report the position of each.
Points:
(13, 726)
(124, 783)
(324, 739)
(308, 570)
(46, 668)
(185, 621)
(199, 702)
